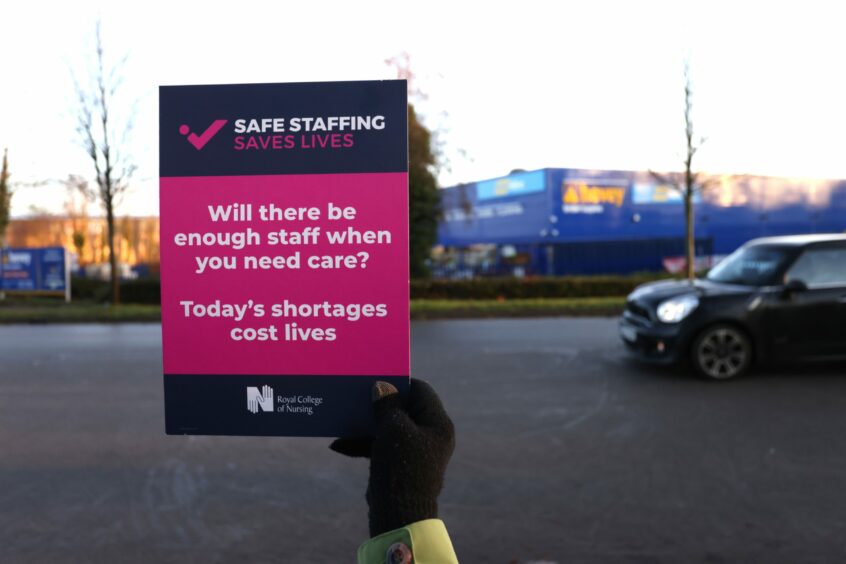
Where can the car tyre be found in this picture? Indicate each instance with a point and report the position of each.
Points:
(721, 352)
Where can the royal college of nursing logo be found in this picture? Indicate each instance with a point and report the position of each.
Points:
(259, 399)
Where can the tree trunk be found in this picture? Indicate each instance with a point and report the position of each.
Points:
(113, 263)
(690, 242)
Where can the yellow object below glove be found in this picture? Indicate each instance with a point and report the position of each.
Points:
(423, 542)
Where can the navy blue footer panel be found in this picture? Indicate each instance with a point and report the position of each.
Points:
(294, 406)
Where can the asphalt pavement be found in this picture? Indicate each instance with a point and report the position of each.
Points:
(567, 452)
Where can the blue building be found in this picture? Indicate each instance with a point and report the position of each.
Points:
(570, 221)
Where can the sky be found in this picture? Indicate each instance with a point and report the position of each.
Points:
(507, 85)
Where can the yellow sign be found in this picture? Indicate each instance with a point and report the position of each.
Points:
(581, 193)
(662, 194)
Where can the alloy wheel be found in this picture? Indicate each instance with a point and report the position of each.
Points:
(722, 353)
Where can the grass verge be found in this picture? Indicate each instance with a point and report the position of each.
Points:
(81, 312)
(78, 313)
(535, 307)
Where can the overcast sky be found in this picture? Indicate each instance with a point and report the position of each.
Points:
(510, 85)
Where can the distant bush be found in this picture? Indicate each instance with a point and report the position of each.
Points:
(89, 289)
(142, 291)
(520, 288)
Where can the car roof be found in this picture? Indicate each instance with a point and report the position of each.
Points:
(800, 240)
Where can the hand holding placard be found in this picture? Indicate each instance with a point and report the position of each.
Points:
(409, 453)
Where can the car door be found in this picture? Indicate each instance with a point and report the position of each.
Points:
(812, 322)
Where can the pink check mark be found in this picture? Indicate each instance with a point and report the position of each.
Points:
(199, 141)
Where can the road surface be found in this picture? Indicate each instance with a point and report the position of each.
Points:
(566, 453)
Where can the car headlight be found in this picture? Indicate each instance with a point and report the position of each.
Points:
(676, 309)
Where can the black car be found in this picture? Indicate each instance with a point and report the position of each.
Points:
(773, 299)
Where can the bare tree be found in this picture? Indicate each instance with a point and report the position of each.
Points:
(689, 184)
(436, 123)
(76, 208)
(401, 63)
(103, 141)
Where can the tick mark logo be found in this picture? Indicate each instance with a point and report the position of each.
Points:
(259, 399)
(199, 141)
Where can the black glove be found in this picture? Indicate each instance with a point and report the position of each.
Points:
(409, 453)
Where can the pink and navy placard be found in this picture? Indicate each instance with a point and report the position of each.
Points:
(284, 255)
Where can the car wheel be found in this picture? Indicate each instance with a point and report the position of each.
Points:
(722, 352)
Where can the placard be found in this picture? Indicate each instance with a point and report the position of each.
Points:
(284, 255)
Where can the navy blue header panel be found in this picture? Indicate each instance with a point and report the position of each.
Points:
(293, 128)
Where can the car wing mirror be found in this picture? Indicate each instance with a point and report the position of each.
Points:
(793, 286)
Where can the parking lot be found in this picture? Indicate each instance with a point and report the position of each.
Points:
(567, 452)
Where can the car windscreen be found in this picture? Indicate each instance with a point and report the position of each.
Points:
(758, 265)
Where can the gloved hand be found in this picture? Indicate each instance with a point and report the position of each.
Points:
(409, 453)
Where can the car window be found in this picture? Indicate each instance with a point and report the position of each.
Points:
(756, 265)
(820, 266)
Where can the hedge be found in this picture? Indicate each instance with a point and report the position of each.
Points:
(89, 289)
(522, 288)
(142, 291)
(148, 291)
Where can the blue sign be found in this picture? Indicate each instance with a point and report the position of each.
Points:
(33, 270)
(514, 185)
(652, 193)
